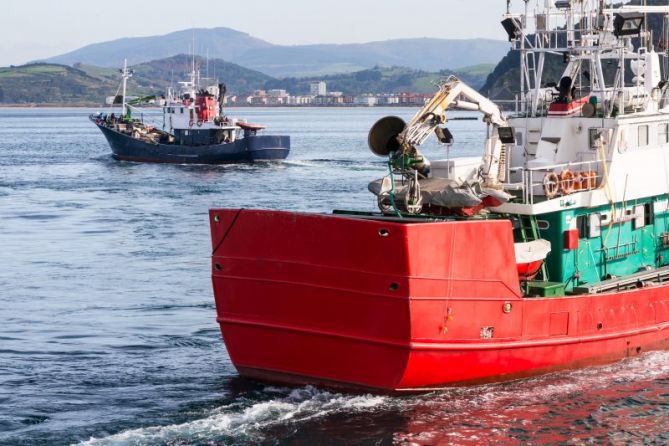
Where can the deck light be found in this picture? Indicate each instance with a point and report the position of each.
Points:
(506, 135)
(627, 24)
(513, 28)
(444, 135)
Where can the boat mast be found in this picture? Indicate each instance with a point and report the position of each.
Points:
(125, 74)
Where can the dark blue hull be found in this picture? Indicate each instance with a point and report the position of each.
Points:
(248, 149)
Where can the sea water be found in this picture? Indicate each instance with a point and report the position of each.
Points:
(107, 323)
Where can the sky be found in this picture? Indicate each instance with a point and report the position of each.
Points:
(34, 29)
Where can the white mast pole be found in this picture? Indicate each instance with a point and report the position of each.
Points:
(124, 75)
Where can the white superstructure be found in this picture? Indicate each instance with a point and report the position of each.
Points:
(599, 133)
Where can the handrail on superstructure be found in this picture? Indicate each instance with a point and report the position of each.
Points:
(528, 184)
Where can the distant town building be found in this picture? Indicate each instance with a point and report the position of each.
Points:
(280, 97)
(318, 88)
(366, 99)
(277, 93)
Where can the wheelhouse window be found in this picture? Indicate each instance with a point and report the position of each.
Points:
(643, 136)
(663, 133)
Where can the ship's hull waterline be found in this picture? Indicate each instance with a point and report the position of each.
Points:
(251, 148)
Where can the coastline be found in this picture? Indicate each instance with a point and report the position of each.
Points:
(99, 105)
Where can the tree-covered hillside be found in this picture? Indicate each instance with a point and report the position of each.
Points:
(42, 83)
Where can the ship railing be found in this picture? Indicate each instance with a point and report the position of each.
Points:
(555, 181)
(509, 104)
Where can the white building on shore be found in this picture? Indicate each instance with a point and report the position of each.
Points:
(318, 88)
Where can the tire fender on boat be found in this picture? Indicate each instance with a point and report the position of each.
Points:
(199, 123)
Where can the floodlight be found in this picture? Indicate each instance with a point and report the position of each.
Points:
(506, 135)
(444, 135)
(627, 24)
(513, 28)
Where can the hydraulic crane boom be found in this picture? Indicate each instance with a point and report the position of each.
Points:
(455, 94)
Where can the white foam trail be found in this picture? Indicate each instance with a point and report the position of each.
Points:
(235, 420)
(300, 163)
(647, 367)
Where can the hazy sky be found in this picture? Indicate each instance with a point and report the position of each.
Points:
(33, 29)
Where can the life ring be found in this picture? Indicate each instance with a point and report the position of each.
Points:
(551, 185)
(587, 180)
(199, 123)
(567, 178)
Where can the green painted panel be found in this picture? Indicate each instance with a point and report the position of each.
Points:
(618, 248)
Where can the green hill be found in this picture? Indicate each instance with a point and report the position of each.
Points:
(378, 80)
(43, 83)
(50, 83)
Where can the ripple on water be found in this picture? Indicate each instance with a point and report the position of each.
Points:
(108, 330)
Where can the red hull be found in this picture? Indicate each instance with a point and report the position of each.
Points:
(358, 303)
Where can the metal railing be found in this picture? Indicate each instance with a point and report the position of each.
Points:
(532, 179)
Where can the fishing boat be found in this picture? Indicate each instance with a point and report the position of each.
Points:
(194, 129)
(549, 251)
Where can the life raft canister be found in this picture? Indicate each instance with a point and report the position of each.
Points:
(551, 185)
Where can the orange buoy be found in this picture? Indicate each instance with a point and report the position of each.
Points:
(567, 179)
(551, 185)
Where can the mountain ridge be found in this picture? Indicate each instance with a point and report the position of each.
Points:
(429, 54)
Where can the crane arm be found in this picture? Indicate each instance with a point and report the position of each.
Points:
(452, 94)
(455, 94)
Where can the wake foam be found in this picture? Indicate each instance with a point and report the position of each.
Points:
(244, 420)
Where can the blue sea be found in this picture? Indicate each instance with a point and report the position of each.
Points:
(107, 323)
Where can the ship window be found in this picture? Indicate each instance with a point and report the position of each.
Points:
(648, 213)
(519, 138)
(643, 135)
(595, 135)
(543, 225)
(582, 226)
(663, 134)
(182, 110)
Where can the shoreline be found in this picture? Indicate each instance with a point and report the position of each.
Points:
(96, 105)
